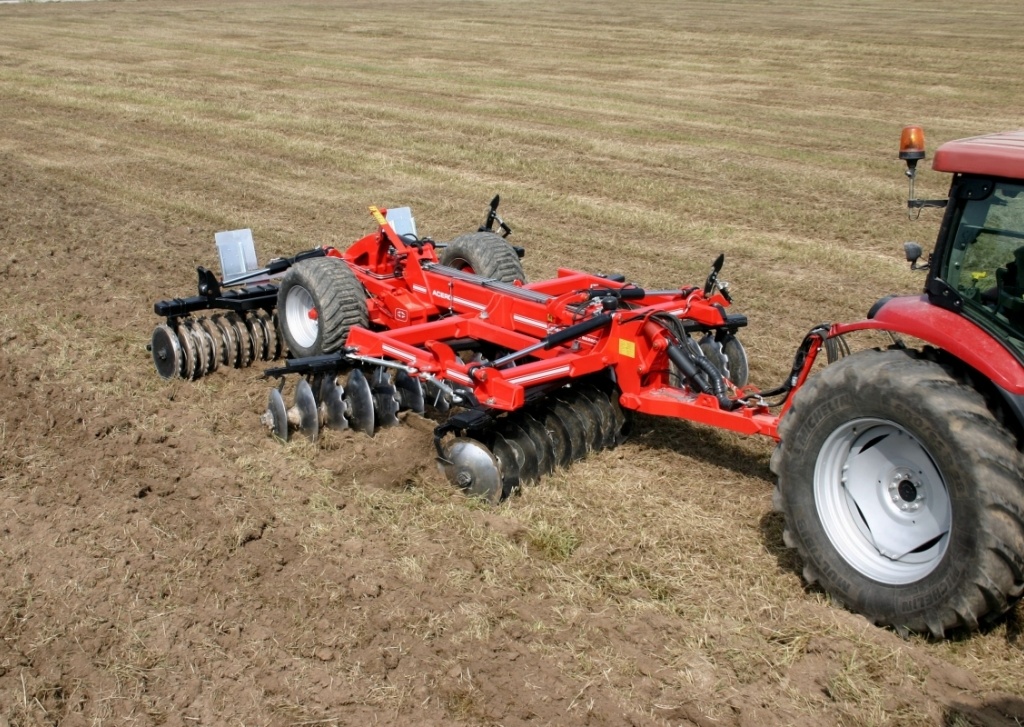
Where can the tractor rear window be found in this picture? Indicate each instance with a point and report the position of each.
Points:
(986, 264)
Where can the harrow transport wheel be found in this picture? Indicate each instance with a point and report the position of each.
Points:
(485, 254)
(317, 302)
(902, 493)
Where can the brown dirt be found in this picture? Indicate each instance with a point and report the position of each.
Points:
(162, 561)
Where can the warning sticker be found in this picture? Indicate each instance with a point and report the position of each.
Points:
(627, 348)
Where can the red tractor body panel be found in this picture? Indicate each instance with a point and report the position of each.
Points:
(991, 155)
(952, 332)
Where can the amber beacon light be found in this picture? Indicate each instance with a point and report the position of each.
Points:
(912, 145)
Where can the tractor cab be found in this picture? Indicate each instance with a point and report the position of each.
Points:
(977, 268)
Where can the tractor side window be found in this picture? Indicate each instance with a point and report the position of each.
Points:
(990, 232)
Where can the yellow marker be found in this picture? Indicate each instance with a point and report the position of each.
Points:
(979, 275)
(627, 348)
(381, 220)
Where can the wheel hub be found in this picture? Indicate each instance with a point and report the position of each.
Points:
(905, 491)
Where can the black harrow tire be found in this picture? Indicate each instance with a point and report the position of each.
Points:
(970, 575)
(330, 287)
(486, 254)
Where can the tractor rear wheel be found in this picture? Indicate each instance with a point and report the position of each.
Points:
(317, 302)
(485, 254)
(902, 493)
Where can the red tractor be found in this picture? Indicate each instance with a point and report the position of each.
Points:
(900, 471)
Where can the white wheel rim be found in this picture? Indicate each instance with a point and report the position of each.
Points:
(882, 501)
(298, 307)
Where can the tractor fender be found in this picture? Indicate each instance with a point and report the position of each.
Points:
(952, 332)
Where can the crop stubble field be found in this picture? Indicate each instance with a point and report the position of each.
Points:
(164, 562)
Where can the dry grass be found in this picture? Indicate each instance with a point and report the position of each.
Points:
(299, 585)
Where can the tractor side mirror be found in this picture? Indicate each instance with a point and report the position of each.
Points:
(913, 252)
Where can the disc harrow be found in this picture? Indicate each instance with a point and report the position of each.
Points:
(522, 378)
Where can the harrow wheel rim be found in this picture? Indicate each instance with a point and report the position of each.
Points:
(301, 316)
(882, 501)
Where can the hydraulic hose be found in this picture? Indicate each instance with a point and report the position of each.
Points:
(703, 373)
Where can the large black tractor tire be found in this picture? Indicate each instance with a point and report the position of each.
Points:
(318, 300)
(485, 254)
(902, 493)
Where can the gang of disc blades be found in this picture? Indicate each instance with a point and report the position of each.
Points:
(473, 468)
(332, 404)
(385, 399)
(359, 403)
(410, 392)
(557, 434)
(526, 451)
(587, 413)
(541, 441)
(275, 418)
(305, 404)
(229, 339)
(604, 413)
(166, 350)
(188, 350)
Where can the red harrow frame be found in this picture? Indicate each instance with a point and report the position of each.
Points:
(539, 373)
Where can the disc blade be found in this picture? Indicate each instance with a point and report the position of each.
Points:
(199, 346)
(736, 359)
(603, 409)
(167, 354)
(273, 339)
(188, 350)
(229, 341)
(473, 468)
(209, 354)
(385, 399)
(359, 403)
(587, 413)
(275, 418)
(279, 345)
(508, 464)
(557, 434)
(525, 451)
(331, 404)
(309, 422)
(541, 441)
(410, 392)
(713, 352)
(214, 343)
(245, 343)
(259, 341)
(578, 435)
